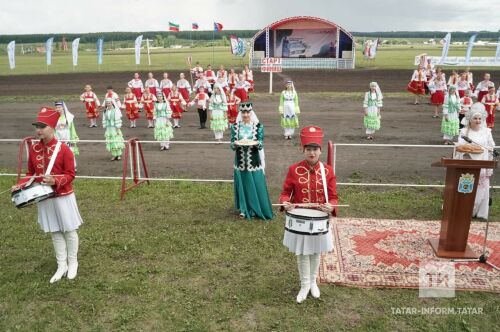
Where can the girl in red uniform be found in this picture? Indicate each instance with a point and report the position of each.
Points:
(417, 84)
(437, 88)
(131, 107)
(232, 77)
(177, 104)
(248, 75)
(233, 103)
(148, 103)
(490, 102)
(89, 98)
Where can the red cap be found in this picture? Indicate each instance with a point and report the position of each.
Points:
(47, 116)
(311, 135)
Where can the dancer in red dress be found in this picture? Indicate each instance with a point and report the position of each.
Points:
(417, 84)
(131, 107)
(148, 103)
(91, 102)
(490, 102)
(248, 75)
(177, 104)
(482, 87)
(241, 88)
(184, 87)
(152, 84)
(233, 103)
(232, 78)
(136, 86)
(210, 76)
(437, 88)
(166, 84)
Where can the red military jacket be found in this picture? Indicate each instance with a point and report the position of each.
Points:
(304, 184)
(38, 161)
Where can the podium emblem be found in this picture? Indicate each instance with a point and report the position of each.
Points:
(466, 183)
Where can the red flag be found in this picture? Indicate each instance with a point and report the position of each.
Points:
(217, 26)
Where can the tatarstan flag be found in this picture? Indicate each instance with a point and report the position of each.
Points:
(173, 27)
(217, 26)
(194, 26)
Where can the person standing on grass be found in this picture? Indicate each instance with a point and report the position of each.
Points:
(476, 129)
(304, 184)
(251, 197)
(136, 86)
(450, 126)
(89, 98)
(112, 123)
(58, 215)
(131, 107)
(184, 87)
(201, 102)
(148, 103)
(166, 85)
(177, 105)
(417, 84)
(163, 128)
(437, 88)
(218, 113)
(289, 110)
(491, 102)
(65, 128)
(371, 108)
(152, 85)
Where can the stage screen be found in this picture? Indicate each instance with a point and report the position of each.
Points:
(305, 43)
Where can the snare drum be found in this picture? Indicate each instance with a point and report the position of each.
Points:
(31, 194)
(306, 221)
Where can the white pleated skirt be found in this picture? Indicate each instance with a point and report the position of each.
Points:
(59, 214)
(308, 244)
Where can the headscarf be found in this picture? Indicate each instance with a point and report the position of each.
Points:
(476, 109)
(248, 106)
(377, 90)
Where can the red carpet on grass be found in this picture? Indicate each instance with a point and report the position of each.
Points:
(387, 253)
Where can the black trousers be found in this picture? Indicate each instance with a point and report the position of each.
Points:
(203, 116)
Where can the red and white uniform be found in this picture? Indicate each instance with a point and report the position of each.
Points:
(465, 104)
(241, 90)
(201, 100)
(470, 79)
(222, 73)
(131, 106)
(482, 90)
(177, 103)
(197, 71)
(137, 87)
(148, 103)
(453, 80)
(248, 76)
(202, 82)
(64, 165)
(113, 95)
(222, 84)
(232, 78)
(462, 86)
(184, 88)
(91, 103)
(166, 86)
(416, 85)
(438, 92)
(152, 85)
(491, 102)
(210, 76)
(232, 108)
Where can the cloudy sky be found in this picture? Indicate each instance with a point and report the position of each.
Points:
(65, 16)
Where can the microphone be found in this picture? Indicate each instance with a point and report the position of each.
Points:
(467, 139)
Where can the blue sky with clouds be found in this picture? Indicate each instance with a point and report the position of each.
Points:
(68, 16)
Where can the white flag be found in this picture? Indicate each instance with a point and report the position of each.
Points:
(446, 47)
(373, 49)
(470, 45)
(74, 48)
(11, 51)
(48, 50)
(138, 42)
(497, 55)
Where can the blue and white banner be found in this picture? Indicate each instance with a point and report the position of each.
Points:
(446, 47)
(237, 46)
(373, 49)
(497, 54)
(74, 49)
(48, 50)
(470, 45)
(138, 42)
(11, 52)
(100, 45)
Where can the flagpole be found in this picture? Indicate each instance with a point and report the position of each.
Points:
(213, 44)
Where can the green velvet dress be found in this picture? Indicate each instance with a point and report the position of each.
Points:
(251, 197)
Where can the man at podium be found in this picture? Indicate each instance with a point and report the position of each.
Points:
(476, 142)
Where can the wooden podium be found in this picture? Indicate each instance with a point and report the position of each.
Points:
(462, 178)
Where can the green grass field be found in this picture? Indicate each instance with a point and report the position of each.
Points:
(388, 57)
(175, 257)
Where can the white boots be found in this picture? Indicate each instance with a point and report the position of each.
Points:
(308, 271)
(66, 250)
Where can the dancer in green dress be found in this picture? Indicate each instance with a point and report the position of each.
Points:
(112, 122)
(250, 190)
(218, 113)
(163, 128)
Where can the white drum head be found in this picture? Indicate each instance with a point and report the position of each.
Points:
(311, 213)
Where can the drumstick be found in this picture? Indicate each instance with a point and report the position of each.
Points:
(311, 205)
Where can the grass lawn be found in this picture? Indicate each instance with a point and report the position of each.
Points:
(175, 257)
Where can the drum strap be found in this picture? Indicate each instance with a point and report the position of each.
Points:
(323, 178)
(53, 158)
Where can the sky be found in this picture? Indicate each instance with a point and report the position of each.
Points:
(84, 16)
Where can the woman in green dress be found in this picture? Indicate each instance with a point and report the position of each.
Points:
(112, 122)
(250, 190)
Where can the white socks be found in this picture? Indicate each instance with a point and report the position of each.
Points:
(66, 250)
(61, 256)
(308, 271)
(176, 122)
(72, 246)
(219, 135)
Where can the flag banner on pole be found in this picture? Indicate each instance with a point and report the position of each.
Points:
(138, 42)
(74, 49)
(11, 52)
(446, 47)
(48, 50)
(173, 27)
(373, 49)
(237, 46)
(194, 26)
(470, 45)
(217, 26)
(497, 54)
(100, 46)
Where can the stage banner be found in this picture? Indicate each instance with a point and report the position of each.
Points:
(48, 50)
(74, 50)
(480, 61)
(446, 46)
(497, 54)
(11, 52)
(470, 45)
(237, 46)
(304, 43)
(138, 42)
(100, 46)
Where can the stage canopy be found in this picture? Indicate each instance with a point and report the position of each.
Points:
(304, 42)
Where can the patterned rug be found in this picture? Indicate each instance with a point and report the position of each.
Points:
(387, 253)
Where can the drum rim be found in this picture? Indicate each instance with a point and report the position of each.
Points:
(290, 214)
